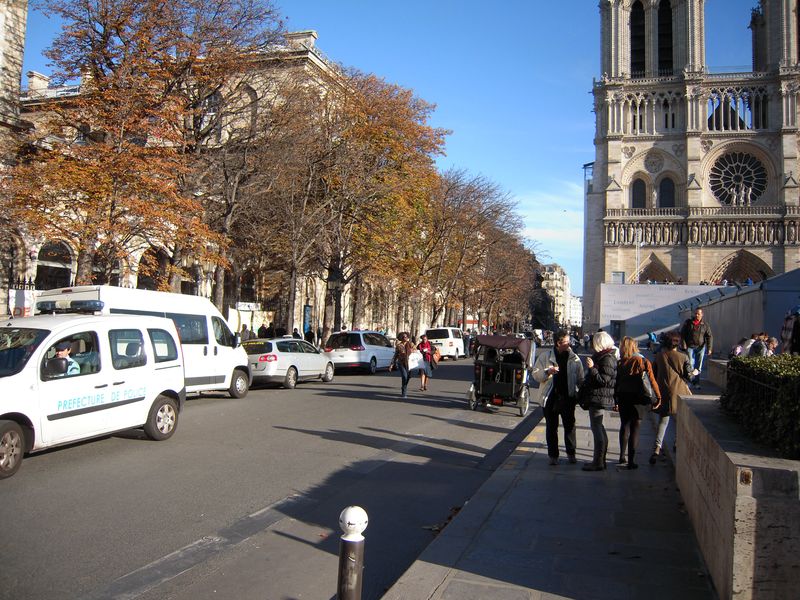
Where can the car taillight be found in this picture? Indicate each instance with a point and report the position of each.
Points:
(267, 358)
(450, 343)
(357, 348)
(328, 349)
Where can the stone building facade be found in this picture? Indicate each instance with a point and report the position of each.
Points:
(556, 282)
(13, 19)
(695, 177)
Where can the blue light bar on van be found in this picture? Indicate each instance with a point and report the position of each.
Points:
(64, 307)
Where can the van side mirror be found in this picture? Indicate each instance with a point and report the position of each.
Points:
(237, 340)
(55, 367)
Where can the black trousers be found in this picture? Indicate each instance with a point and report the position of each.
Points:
(566, 411)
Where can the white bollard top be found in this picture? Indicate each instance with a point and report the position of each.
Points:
(353, 521)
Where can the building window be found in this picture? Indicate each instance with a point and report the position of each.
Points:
(666, 193)
(54, 268)
(665, 38)
(639, 194)
(637, 40)
(738, 179)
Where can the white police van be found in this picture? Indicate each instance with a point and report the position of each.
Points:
(213, 356)
(69, 377)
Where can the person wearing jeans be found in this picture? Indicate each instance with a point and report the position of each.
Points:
(672, 370)
(601, 378)
(402, 349)
(696, 340)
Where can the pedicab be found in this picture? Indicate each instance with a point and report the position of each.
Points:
(502, 373)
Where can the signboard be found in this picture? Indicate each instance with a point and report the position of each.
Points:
(21, 303)
(251, 306)
(306, 318)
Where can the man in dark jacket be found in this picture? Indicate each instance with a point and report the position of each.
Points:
(696, 341)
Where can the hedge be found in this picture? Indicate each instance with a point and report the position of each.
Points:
(763, 395)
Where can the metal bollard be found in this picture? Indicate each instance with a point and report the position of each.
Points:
(353, 520)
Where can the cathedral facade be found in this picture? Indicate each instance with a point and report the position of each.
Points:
(695, 177)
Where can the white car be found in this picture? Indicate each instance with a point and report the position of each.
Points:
(449, 341)
(65, 378)
(286, 361)
(370, 350)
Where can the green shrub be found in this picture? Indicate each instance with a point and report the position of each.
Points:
(763, 394)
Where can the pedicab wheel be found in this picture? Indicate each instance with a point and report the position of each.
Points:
(472, 399)
(523, 403)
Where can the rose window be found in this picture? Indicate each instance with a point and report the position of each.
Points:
(738, 179)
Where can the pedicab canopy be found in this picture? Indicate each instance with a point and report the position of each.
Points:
(509, 342)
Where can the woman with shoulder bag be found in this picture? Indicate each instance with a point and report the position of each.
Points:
(673, 371)
(633, 398)
(425, 368)
(601, 376)
(402, 350)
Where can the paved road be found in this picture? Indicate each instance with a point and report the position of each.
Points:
(122, 517)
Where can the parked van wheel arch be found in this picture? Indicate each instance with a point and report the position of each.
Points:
(12, 447)
(163, 418)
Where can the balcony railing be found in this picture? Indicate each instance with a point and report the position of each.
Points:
(703, 211)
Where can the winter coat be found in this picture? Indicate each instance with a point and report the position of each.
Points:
(672, 370)
(547, 359)
(602, 379)
(401, 352)
(629, 376)
(696, 336)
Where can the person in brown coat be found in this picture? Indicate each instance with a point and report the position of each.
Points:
(673, 372)
(632, 401)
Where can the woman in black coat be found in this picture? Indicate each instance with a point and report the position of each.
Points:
(601, 377)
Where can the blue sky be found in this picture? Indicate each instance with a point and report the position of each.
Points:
(510, 78)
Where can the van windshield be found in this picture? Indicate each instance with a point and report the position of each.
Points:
(437, 334)
(17, 344)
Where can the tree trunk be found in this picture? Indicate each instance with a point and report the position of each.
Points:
(175, 276)
(219, 289)
(85, 263)
(292, 300)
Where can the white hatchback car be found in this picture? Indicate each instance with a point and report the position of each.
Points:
(286, 361)
(369, 350)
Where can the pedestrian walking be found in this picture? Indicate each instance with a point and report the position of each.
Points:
(601, 377)
(673, 372)
(559, 372)
(697, 341)
(244, 334)
(262, 331)
(402, 350)
(633, 398)
(425, 367)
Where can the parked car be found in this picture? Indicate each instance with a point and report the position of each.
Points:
(287, 361)
(369, 350)
(449, 340)
(72, 377)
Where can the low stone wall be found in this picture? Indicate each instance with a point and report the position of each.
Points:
(744, 504)
(717, 372)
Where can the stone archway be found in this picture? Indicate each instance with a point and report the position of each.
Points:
(737, 267)
(54, 266)
(653, 270)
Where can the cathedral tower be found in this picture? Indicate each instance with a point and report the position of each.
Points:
(695, 173)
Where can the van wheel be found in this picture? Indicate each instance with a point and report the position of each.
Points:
(328, 376)
(162, 420)
(290, 381)
(12, 444)
(373, 366)
(239, 385)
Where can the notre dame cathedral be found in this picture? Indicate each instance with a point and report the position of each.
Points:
(695, 177)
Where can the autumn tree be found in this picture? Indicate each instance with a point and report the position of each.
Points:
(116, 164)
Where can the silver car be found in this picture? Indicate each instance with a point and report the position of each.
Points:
(287, 361)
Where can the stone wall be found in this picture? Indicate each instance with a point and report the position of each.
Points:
(743, 502)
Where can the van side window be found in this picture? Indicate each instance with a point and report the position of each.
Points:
(222, 334)
(457, 333)
(127, 348)
(83, 357)
(192, 329)
(164, 347)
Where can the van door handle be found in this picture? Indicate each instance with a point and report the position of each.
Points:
(215, 350)
(119, 382)
(97, 387)
(205, 350)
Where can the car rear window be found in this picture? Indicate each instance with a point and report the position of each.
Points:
(343, 340)
(257, 347)
(437, 334)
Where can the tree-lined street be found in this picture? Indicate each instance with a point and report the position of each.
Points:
(262, 479)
